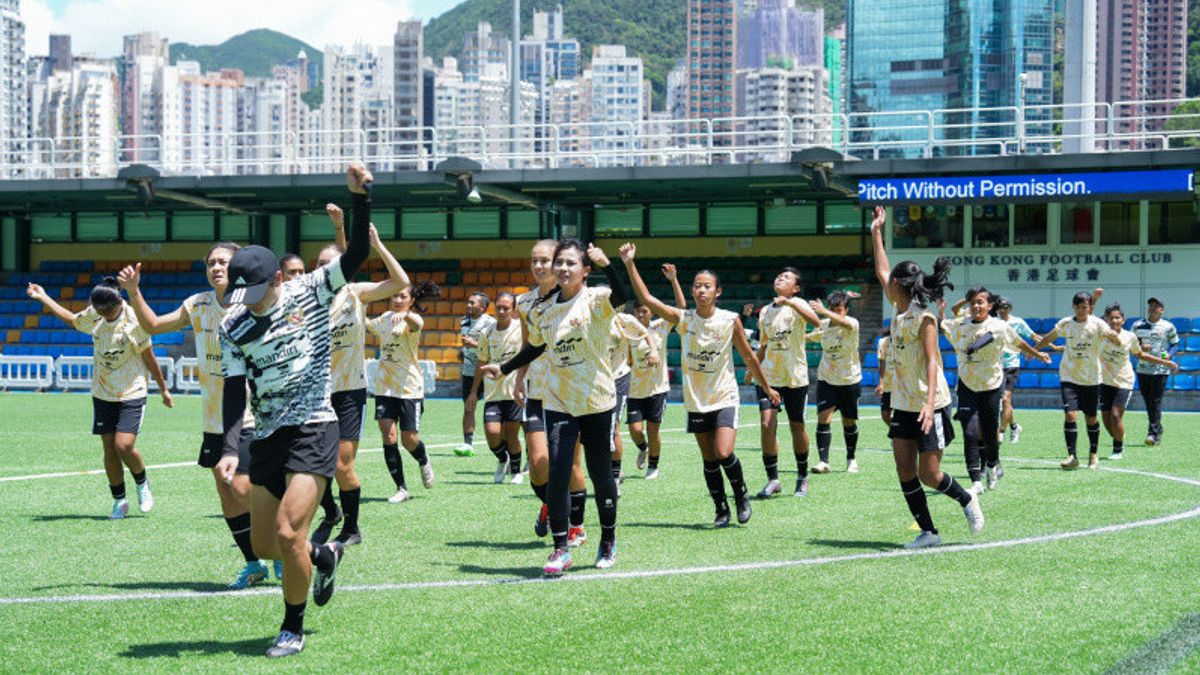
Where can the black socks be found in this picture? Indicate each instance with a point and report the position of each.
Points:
(850, 433)
(918, 506)
(239, 527)
(1071, 434)
(418, 453)
(327, 502)
(350, 501)
(139, 477)
(802, 464)
(293, 618)
(539, 490)
(616, 470)
(716, 484)
(501, 451)
(733, 471)
(118, 490)
(771, 464)
(824, 439)
(578, 504)
(1093, 432)
(391, 455)
(953, 490)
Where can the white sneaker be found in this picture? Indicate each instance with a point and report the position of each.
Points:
(652, 474)
(400, 496)
(464, 450)
(642, 456)
(517, 479)
(993, 477)
(1014, 434)
(974, 515)
(145, 499)
(821, 467)
(925, 540)
(427, 475)
(501, 472)
(1117, 456)
(852, 466)
(769, 490)
(120, 508)
(286, 644)
(976, 488)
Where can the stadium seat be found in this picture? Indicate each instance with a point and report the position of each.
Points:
(949, 360)
(952, 378)
(944, 344)
(1048, 380)
(1183, 382)
(1027, 381)
(871, 360)
(1183, 324)
(1189, 362)
(1055, 360)
(1191, 343)
(870, 378)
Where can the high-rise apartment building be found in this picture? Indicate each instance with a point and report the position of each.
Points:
(801, 95)
(482, 48)
(617, 98)
(14, 99)
(199, 117)
(60, 52)
(142, 60)
(357, 112)
(778, 34)
(77, 110)
(1141, 56)
(408, 89)
(712, 62)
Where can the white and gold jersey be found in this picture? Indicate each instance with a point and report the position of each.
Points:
(205, 315)
(782, 331)
(535, 374)
(576, 334)
(885, 363)
(906, 362)
(497, 345)
(347, 321)
(648, 380)
(626, 333)
(1115, 368)
(840, 363)
(1081, 358)
(399, 374)
(982, 370)
(709, 382)
(118, 373)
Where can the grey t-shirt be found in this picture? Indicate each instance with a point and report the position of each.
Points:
(473, 328)
(1156, 338)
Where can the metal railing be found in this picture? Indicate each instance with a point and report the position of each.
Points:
(1006, 130)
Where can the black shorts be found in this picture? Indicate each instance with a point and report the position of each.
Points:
(621, 388)
(110, 417)
(793, 400)
(349, 408)
(213, 446)
(843, 397)
(885, 401)
(1112, 397)
(1011, 375)
(650, 409)
(466, 387)
(533, 416)
(502, 411)
(702, 422)
(1077, 397)
(406, 411)
(308, 448)
(986, 404)
(906, 427)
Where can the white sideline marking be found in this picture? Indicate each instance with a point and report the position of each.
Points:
(670, 572)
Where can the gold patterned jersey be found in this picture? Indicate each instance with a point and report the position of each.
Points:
(648, 380)
(885, 363)
(1081, 357)
(118, 373)
(575, 332)
(626, 333)
(347, 323)
(497, 345)
(840, 363)
(906, 361)
(1115, 368)
(785, 362)
(982, 370)
(205, 315)
(399, 374)
(536, 373)
(709, 382)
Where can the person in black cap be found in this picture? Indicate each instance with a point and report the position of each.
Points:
(277, 337)
(1158, 337)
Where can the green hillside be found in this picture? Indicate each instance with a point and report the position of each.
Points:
(651, 29)
(254, 52)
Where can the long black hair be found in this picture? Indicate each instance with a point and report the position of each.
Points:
(837, 299)
(423, 290)
(106, 294)
(563, 245)
(226, 245)
(1115, 307)
(923, 288)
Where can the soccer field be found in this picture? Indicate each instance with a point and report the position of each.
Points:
(1083, 571)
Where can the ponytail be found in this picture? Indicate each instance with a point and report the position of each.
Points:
(423, 290)
(106, 294)
(923, 288)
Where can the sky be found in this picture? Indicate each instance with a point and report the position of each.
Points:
(97, 26)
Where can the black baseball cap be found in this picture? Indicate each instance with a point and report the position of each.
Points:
(251, 271)
(1155, 301)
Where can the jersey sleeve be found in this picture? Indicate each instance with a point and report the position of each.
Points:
(1062, 325)
(140, 338)
(375, 326)
(485, 348)
(416, 318)
(601, 307)
(325, 281)
(1132, 344)
(233, 362)
(1172, 336)
(534, 328)
(1009, 337)
(85, 321)
(631, 329)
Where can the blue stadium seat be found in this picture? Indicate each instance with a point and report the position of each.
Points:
(870, 378)
(952, 378)
(949, 360)
(1191, 343)
(944, 344)
(1182, 324)
(871, 360)
(1048, 380)
(1183, 382)
(1189, 362)
(1027, 381)
(1055, 360)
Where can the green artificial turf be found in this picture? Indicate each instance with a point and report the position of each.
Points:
(802, 587)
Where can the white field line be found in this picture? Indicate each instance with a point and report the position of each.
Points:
(669, 572)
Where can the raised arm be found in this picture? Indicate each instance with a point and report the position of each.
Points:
(619, 294)
(397, 278)
(752, 364)
(130, 279)
(359, 180)
(816, 307)
(954, 309)
(339, 224)
(672, 275)
(660, 309)
(38, 293)
(883, 269)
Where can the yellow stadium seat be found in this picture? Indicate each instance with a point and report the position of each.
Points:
(31, 321)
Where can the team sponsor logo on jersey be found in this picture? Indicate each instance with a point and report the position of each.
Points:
(296, 317)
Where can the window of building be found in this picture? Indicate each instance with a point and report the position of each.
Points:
(1120, 223)
(1077, 223)
(843, 218)
(927, 226)
(476, 224)
(1173, 223)
(674, 221)
(96, 226)
(524, 224)
(1030, 224)
(611, 221)
(422, 224)
(989, 225)
(141, 226)
(55, 227)
(799, 219)
(731, 220)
